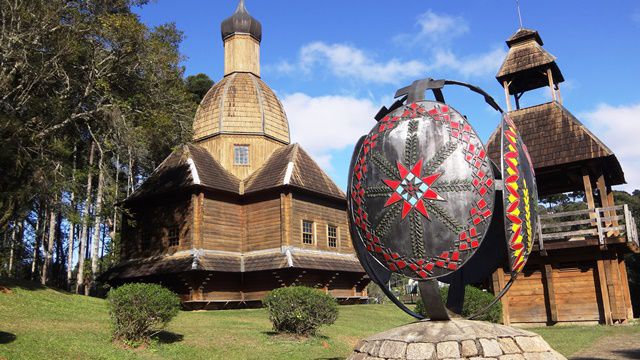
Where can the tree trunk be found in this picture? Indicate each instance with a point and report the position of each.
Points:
(130, 174)
(96, 226)
(12, 246)
(84, 236)
(48, 254)
(72, 226)
(40, 237)
(36, 244)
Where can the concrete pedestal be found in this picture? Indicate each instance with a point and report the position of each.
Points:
(455, 339)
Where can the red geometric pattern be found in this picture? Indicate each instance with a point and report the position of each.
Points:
(483, 186)
(517, 196)
(413, 189)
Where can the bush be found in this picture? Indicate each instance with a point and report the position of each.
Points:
(138, 311)
(300, 310)
(474, 300)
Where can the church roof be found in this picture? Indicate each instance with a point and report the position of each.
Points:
(189, 165)
(241, 103)
(292, 166)
(192, 165)
(241, 22)
(555, 137)
(526, 62)
(203, 260)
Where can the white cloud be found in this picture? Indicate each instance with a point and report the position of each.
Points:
(346, 61)
(434, 28)
(618, 127)
(328, 123)
(476, 65)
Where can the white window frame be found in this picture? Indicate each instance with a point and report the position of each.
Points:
(176, 237)
(336, 237)
(241, 154)
(313, 232)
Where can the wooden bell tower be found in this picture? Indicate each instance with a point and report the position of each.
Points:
(576, 272)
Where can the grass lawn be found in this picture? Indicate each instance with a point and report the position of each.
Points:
(42, 323)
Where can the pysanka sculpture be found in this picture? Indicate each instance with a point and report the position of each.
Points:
(426, 202)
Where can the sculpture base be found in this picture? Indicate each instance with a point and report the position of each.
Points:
(455, 339)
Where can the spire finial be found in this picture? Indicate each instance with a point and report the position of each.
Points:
(241, 6)
(519, 14)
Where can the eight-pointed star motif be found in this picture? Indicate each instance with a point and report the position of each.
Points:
(413, 189)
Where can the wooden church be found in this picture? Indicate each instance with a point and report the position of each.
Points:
(239, 211)
(576, 273)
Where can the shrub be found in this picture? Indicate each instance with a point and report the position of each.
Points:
(300, 310)
(474, 300)
(138, 311)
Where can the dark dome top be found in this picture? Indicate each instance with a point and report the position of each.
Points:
(241, 22)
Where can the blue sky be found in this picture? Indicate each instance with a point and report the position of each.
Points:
(335, 63)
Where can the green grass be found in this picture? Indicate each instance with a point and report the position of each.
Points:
(571, 339)
(50, 324)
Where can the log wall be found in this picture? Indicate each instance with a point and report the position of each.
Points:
(222, 225)
(146, 229)
(322, 215)
(221, 147)
(588, 285)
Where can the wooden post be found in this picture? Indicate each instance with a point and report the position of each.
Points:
(588, 194)
(558, 93)
(498, 285)
(197, 202)
(543, 252)
(611, 273)
(614, 213)
(553, 92)
(604, 199)
(550, 292)
(507, 95)
(285, 218)
(626, 293)
(604, 293)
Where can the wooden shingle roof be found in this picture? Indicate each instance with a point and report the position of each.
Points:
(292, 166)
(526, 63)
(210, 261)
(241, 103)
(189, 165)
(555, 137)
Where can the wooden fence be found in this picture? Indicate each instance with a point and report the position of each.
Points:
(604, 225)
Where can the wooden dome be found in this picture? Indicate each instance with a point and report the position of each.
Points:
(241, 103)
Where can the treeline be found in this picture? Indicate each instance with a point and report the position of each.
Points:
(91, 100)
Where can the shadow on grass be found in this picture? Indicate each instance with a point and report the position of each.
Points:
(168, 337)
(6, 337)
(628, 353)
(21, 284)
(293, 337)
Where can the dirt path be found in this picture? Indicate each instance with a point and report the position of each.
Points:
(612, 347)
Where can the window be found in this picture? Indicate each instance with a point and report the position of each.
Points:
(174, 238)
(241, 155)
(332, 235)
(145, 239)
(307, 232)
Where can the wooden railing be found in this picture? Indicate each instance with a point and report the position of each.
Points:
(599, 224)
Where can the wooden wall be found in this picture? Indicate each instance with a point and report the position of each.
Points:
(322, 214)
(154, 218)
(222, 225)
(235, 287)
(263, 225)
(221, 148)
(587, 285)
(241, 53)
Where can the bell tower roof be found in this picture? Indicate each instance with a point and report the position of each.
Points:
(525, 67)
